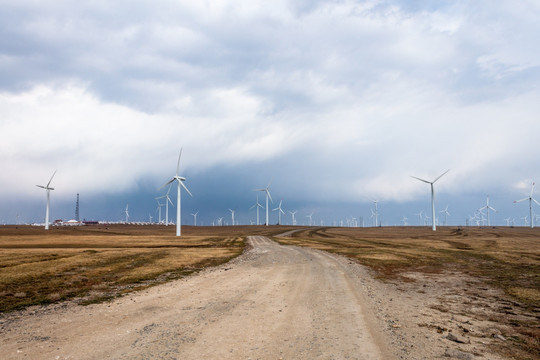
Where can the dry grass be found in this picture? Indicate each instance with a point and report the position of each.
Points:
(503, 258)
(93, 263)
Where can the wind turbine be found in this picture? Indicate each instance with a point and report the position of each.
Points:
(127, 213)
(420, 216)
(195, 218)
(487, 207)
(280, 211)
(167, 201)
(257, 206)
(48, 190)
(404, 221)
(376, 213)
(232, 215)
(434, 227)
(310, 216)
(159, 210)
(293, 213)
(180, 183)
(268, 196)
(446, 214)
(531, 199)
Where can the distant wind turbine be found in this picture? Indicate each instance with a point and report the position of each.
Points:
(127, 213)
(293, 213)
(531, 199)
(232, 215)
(158, 210)
(310, 216)
(257, 206)
(434, 227)
(195, 218)
(167, 201)
(280, 211)
(376, 213)
(446, 214)
(48, 190)
(420, 216)
(268, 196)
(180, 183)
(487, 207)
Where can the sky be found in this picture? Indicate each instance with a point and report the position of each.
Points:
(334, 103)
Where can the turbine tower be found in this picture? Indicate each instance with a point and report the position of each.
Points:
(280, 211)
(434, 227)
(530, 198)
(268, 196)
(77, 209)
(257, 206)
(180, 184)
(487, 207)
(48, 190)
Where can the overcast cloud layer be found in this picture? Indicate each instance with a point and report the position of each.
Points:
(337, 101)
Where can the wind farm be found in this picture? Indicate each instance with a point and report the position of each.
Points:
(312, 212)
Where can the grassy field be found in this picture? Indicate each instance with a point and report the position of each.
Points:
(93, 263)
(503, 258)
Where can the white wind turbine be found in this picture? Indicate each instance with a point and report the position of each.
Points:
(159, 210)
(293, 213)
(48, 190)
(232, 215)
(310, 216)
(376, 213)
(268, 196)
(434, 227)
(487, 207)
(404, 221)
(127, 213)
(195, 218)
(257, 206)
(446, 214)
(420, 216)
(180, 183)
(531, 199)
(280, 212)
(167, 201)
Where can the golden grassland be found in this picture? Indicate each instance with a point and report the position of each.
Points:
(93, 263)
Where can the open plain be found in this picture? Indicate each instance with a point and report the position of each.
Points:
(364, 293)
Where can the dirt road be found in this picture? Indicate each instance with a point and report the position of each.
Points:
(272, 302)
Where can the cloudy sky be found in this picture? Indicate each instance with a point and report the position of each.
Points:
(336, 102)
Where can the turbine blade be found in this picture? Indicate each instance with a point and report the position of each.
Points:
(427, 182)
(516, 201)
(270, 196)
(168, 182)
(41, 186)
(440, 176)
(184, 186)
(537, 203)
(55, 173)
(178, 164)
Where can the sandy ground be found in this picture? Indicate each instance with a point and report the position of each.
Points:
(273, 302)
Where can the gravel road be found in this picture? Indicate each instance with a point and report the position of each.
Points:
(273, 302)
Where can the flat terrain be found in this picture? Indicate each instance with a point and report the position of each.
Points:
(403, 292)
(273, 302)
